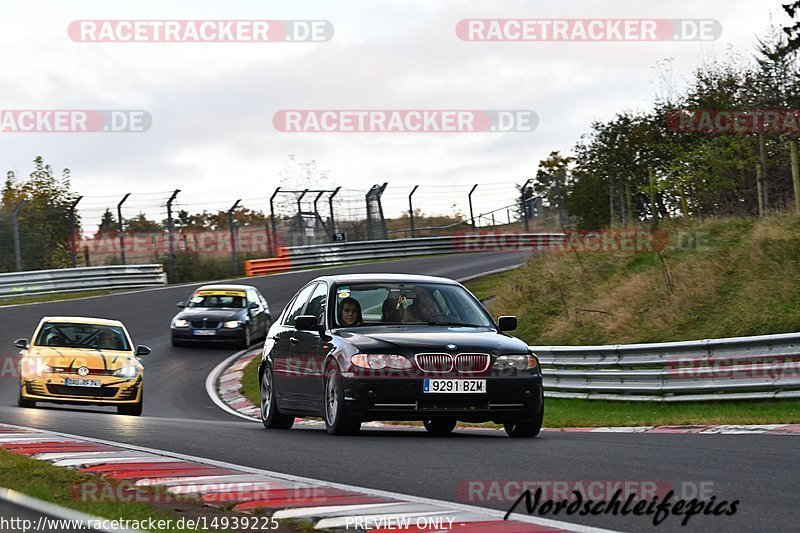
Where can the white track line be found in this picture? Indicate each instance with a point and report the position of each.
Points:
(211, 385)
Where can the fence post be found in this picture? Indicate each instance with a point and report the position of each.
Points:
(272, 247)
(411, 210)
(760, 189)
(232, 227)
(173, 258)
(469, 197)
(15, 230)
(73, 231)
(795, 174)
(121, 229)
(330, 206)
(524, 205)
(653, 211)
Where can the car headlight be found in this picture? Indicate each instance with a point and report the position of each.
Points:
(517, 362)
(127, 371)
(232, 324)
(180, 323)
(34, 368)
(376, 361)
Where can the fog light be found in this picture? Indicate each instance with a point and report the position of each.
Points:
(371, 393)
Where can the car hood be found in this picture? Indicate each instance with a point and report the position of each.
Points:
(432, 338)
(76, 358)
(219, 315)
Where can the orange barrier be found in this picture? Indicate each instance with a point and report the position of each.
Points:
(261, 267)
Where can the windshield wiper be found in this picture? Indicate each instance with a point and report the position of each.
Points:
(460, 324)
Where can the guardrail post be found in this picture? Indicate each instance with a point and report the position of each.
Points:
(411, 210)
(121, 229)
(15, 230)
(471, 214)
(173, 258)
(73, 230)
(232, 227)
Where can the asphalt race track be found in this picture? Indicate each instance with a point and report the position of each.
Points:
(758, 470)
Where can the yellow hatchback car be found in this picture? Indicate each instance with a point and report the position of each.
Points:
(79, 360)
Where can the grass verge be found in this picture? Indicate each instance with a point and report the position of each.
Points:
(50, 297)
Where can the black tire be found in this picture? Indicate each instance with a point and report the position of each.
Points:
(271, 416)
(22, 402)
(440, 426)
(247, 340)
(526, 428)
(337, 421)
(178, 344)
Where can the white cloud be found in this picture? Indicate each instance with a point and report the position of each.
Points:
(212, 104)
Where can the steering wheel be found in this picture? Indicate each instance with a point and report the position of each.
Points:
(434, 315)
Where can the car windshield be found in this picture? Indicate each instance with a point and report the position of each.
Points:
(218, 298)
(67, 335)
(371, 304)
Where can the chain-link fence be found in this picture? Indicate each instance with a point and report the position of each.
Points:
(205, 240)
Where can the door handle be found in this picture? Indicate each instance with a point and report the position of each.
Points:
(293, 341)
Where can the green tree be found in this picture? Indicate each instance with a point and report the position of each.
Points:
(44, 222)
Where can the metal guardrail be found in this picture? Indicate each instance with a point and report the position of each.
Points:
(81, 279)
(740, 368)
(336, 254)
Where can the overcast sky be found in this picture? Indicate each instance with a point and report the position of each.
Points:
(212, 104)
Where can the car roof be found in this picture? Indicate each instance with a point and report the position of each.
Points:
(390, 278)
(83, 320)
(224, 287)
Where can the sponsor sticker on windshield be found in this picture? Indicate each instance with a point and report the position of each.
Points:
(343, 292)
(201, 294)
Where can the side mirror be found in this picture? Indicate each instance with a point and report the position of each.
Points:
(142, 350)
(22, 344)
(253, 305)
(305, 323)
(507, 323)
(181, 304)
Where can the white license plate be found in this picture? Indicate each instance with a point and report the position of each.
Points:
(454, 386)
(82, 382)
(205, 332)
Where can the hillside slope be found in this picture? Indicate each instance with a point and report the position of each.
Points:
(718, 278)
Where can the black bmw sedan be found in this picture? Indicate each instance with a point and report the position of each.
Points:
(223, 314)
(356, 348)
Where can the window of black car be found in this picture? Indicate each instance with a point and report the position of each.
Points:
(67, 335)
(252, 298)
(316, 305)
(414, 303)
(218, 299)
(299, 304)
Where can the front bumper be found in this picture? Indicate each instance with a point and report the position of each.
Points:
(220, 335)
(507, 399)
(112, 391)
